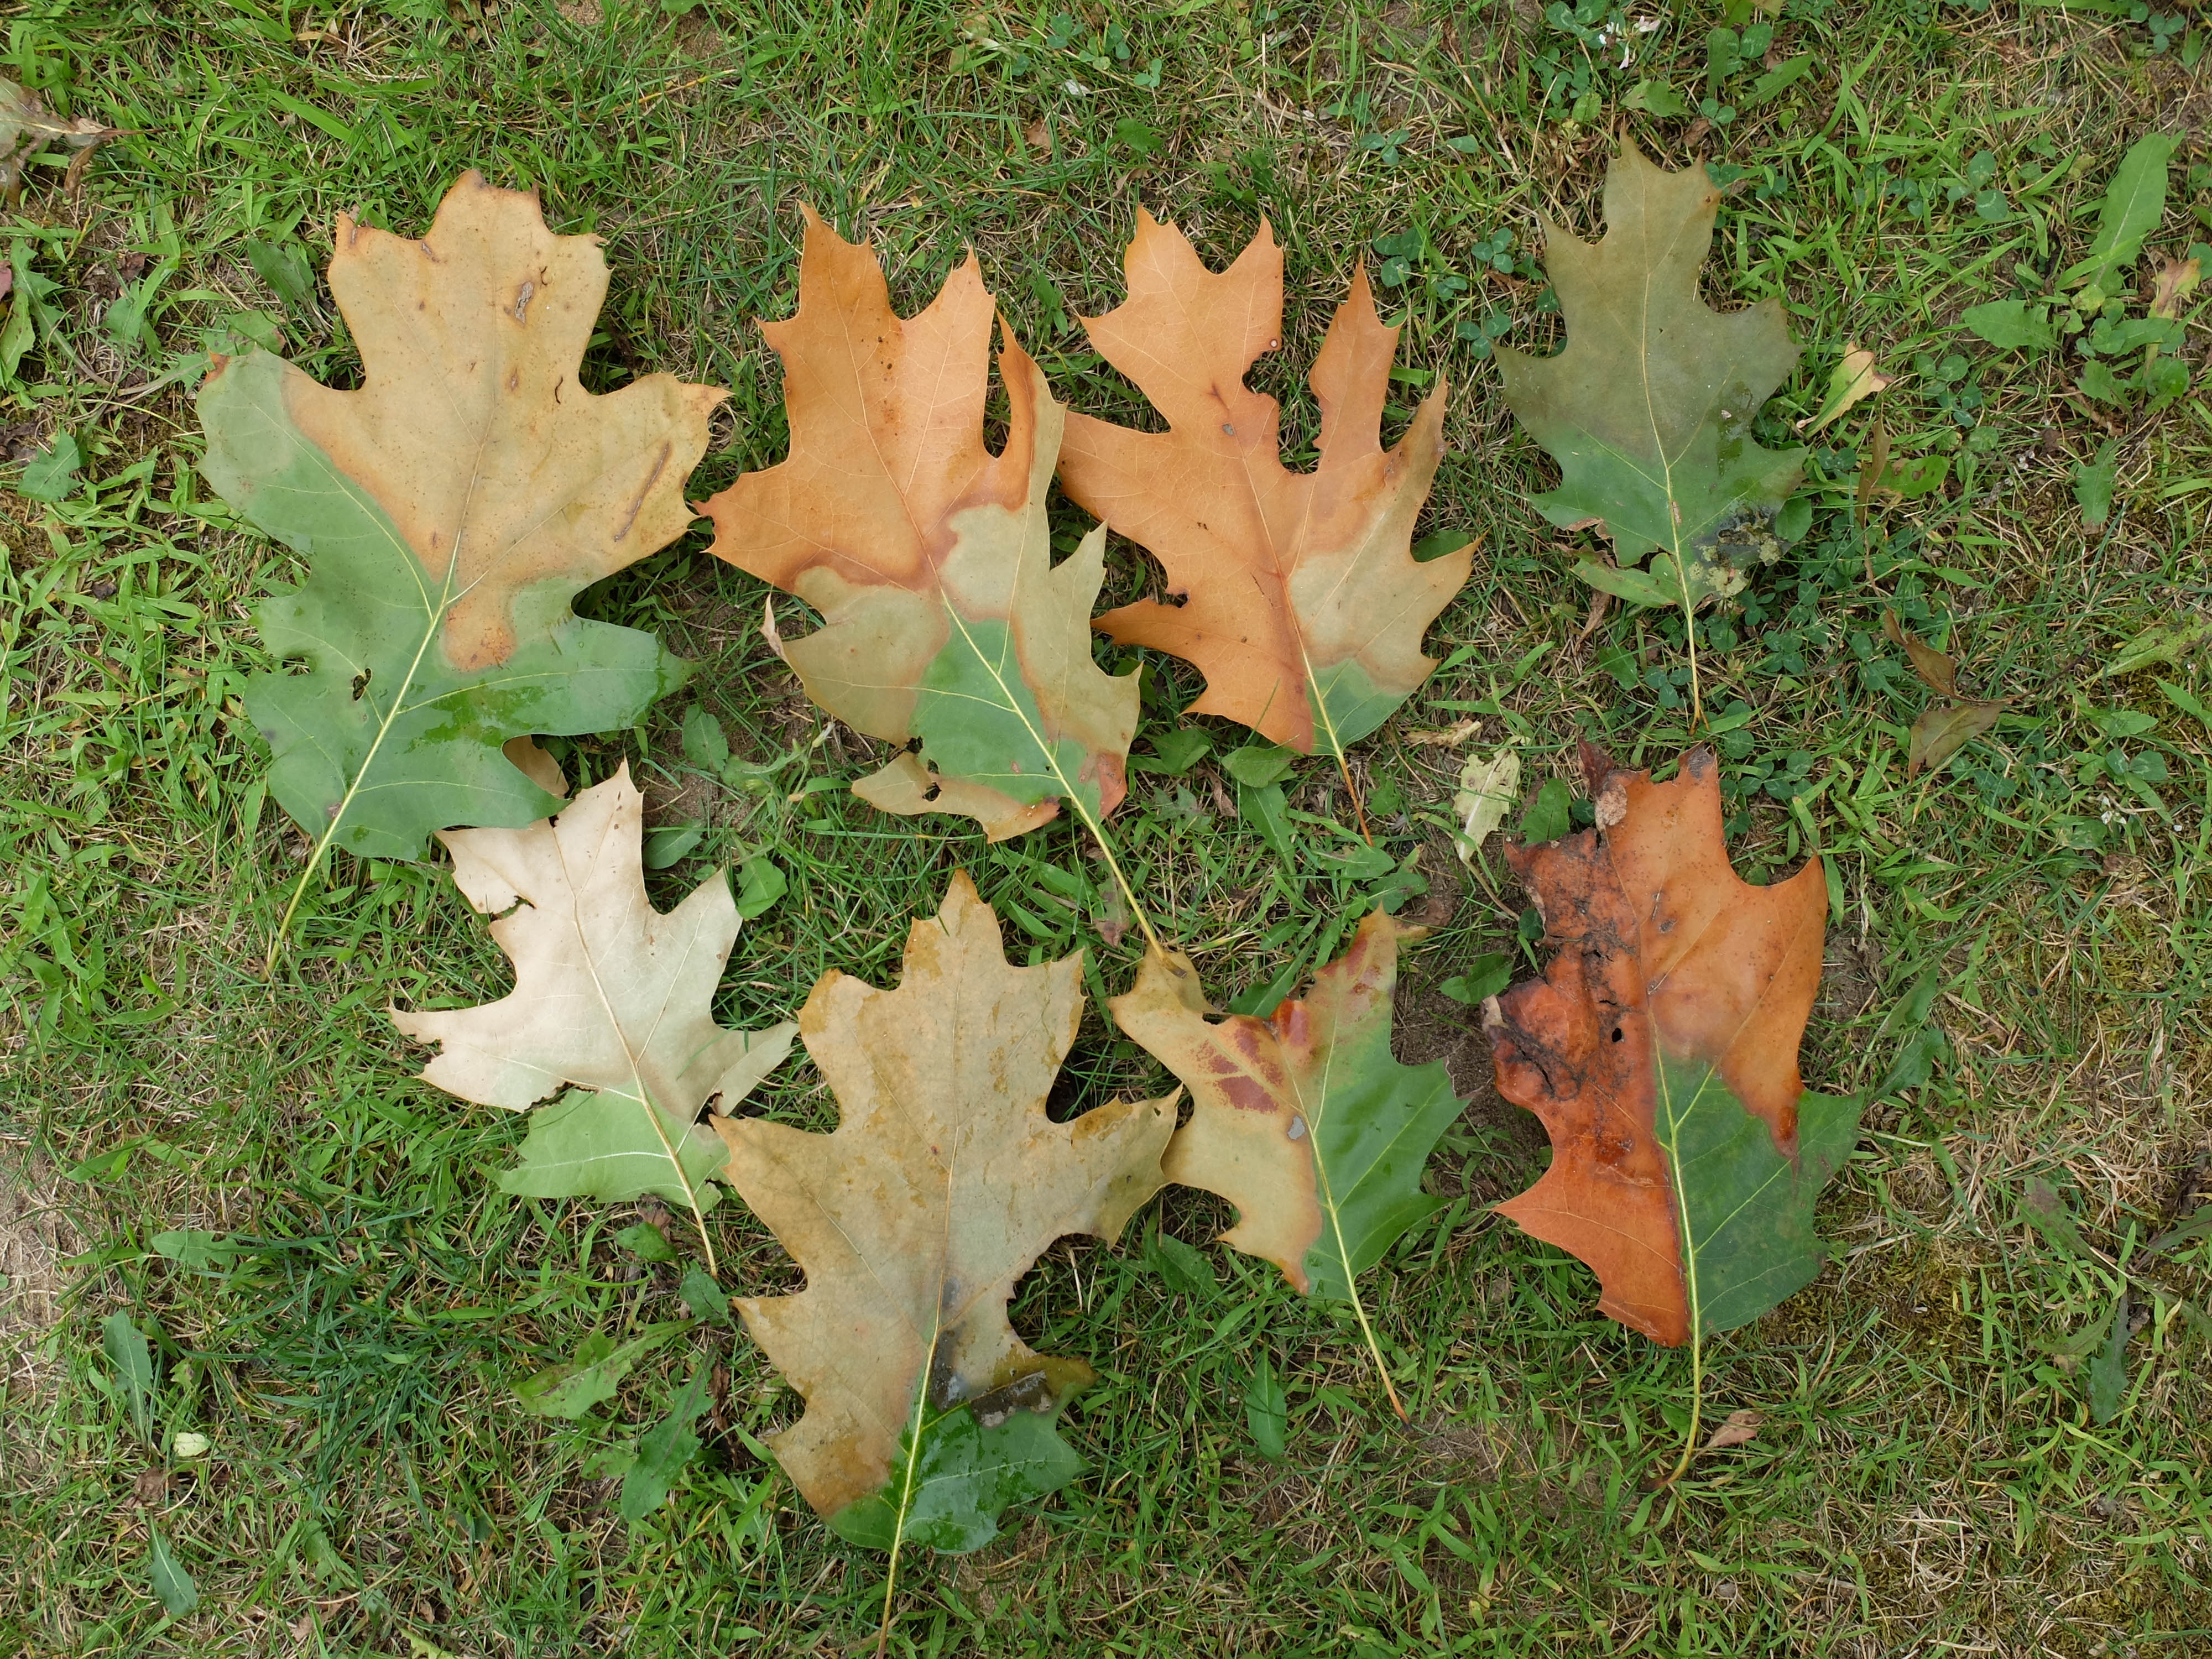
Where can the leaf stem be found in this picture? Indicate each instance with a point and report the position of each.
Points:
(1690, 633)
(1359, 809)
(1343, 1254)
(905, 1494)
(1128, 893)
(1697, 1400)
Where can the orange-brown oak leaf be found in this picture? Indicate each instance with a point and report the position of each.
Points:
(1300, 600)
(1661, 1052)
(927, 556)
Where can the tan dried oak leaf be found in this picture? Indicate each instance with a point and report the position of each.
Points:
(609, 995)
(943, 1181)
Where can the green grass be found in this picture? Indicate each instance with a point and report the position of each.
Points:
(2019, 945)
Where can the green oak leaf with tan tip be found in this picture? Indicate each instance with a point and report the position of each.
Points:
(1304, 1120)
(611, 1015)
(449, 511)
(1649, 409)
(945, 622)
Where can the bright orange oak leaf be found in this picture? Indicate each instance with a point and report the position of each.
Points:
(1661, 1052)
(927, 556)
(943, 1181)
(1302, 602)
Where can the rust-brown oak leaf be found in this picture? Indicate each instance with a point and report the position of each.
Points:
(1660, 1050)
(927, 556)
(1301, 599)
(943, 1180)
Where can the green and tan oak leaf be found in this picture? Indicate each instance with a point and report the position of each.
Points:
(928, 558)
(449, 510)
(1304, 1120)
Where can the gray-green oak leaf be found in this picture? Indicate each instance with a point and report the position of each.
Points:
(1649, 409)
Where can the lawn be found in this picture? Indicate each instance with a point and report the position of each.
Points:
(335, 1296)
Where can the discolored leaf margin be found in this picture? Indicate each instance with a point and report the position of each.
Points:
(943, 1181)
(1660, 1050)
(450, 509)
(1649, 409)
(929, 559)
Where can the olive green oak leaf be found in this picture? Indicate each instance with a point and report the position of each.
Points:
(1649, 409)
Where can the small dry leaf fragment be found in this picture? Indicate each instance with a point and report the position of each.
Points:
(1660, 1050)
(1943, 727)
(1488, 787)
(1855, 379)
(2173, 283)
(1300, 600)
(26, 127)
(943, 1180)
(929, 558)
(610, 996)
(1448, 736)
(1738, 1428)
(1873, 465)
(1935, 668)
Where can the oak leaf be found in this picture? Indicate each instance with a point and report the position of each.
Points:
(1304, 1120)
(927, 556)
(450, 509)
(944, 1180)
(1660, 1050)
(1649, 409)
(610, 997)
(1300, 598)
